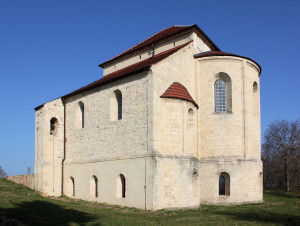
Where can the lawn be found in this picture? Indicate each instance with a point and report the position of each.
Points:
(21, 205)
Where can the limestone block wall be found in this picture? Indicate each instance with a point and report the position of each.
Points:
(179, 67)
(253, 121)
(109, 184)
(28, 180)
(104, 139)
(176, 182)
(178, 127)
(49, 148)
(235, 133)
(106, 147)
(246, 182)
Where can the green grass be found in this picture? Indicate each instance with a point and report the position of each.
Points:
(21, 204)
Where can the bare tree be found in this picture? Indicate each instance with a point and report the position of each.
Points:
(281, 154)
(2, 173)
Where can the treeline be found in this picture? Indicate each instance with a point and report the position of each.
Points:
(2, 173)
(281, 155)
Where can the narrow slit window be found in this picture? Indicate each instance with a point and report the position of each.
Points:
(119, 101)
(123, 183)
(72, 186)
(81, 106)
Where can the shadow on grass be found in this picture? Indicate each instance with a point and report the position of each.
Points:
(281, 194)
(45, 213)
(263, 216)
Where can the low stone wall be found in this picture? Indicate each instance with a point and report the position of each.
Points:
(27, 180)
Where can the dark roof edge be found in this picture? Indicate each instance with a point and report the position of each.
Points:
(179, 98)
(98, 84)
(39, 107)
(215, 53)
(210, 42)
(107, 82)
(206, 40)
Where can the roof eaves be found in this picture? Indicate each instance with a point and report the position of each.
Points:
(180, 98)
(219, 53)
(83, 89)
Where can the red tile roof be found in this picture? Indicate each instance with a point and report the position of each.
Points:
(218, 53)
(178, 91)
(164, 34)
(127, 71)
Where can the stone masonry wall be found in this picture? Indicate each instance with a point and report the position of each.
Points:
(49, 148)
(107, 148)
(28, 180)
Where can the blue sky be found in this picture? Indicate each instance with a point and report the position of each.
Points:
(50, 48)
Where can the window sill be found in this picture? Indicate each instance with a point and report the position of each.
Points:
(223, 113)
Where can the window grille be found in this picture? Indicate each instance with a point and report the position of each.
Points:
(220, 96)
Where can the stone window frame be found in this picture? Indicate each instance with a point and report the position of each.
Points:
(81, 114)
(226, 184)
(121, 186)
(94, 187)
(116, 105)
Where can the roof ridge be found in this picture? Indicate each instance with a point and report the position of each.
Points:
(144, 42)
(156, 55)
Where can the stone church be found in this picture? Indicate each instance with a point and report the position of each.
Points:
(173, 123)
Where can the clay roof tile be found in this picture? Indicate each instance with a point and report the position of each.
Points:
(178, 91)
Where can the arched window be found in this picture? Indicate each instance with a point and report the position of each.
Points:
(94, 186)
(224, 184)
(194, 182)
(72, 186)
(119, 101)
(223, 96)
(123, 182)
(255, 87)
(81, 114)
(116, 106)
(53, 126)
(255, 100)
(220, 96)
(190, 118)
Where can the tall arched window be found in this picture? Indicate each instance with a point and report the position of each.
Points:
(190, 118)
(220, 96)
(94, 186)
(53, 126)
(72, 186)
(119, 101)
(81, 114)
(255, 87)
(255, 100)
(223, 95)
(224, 184)
(123, 183)
(195, 183)
(116, 106)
